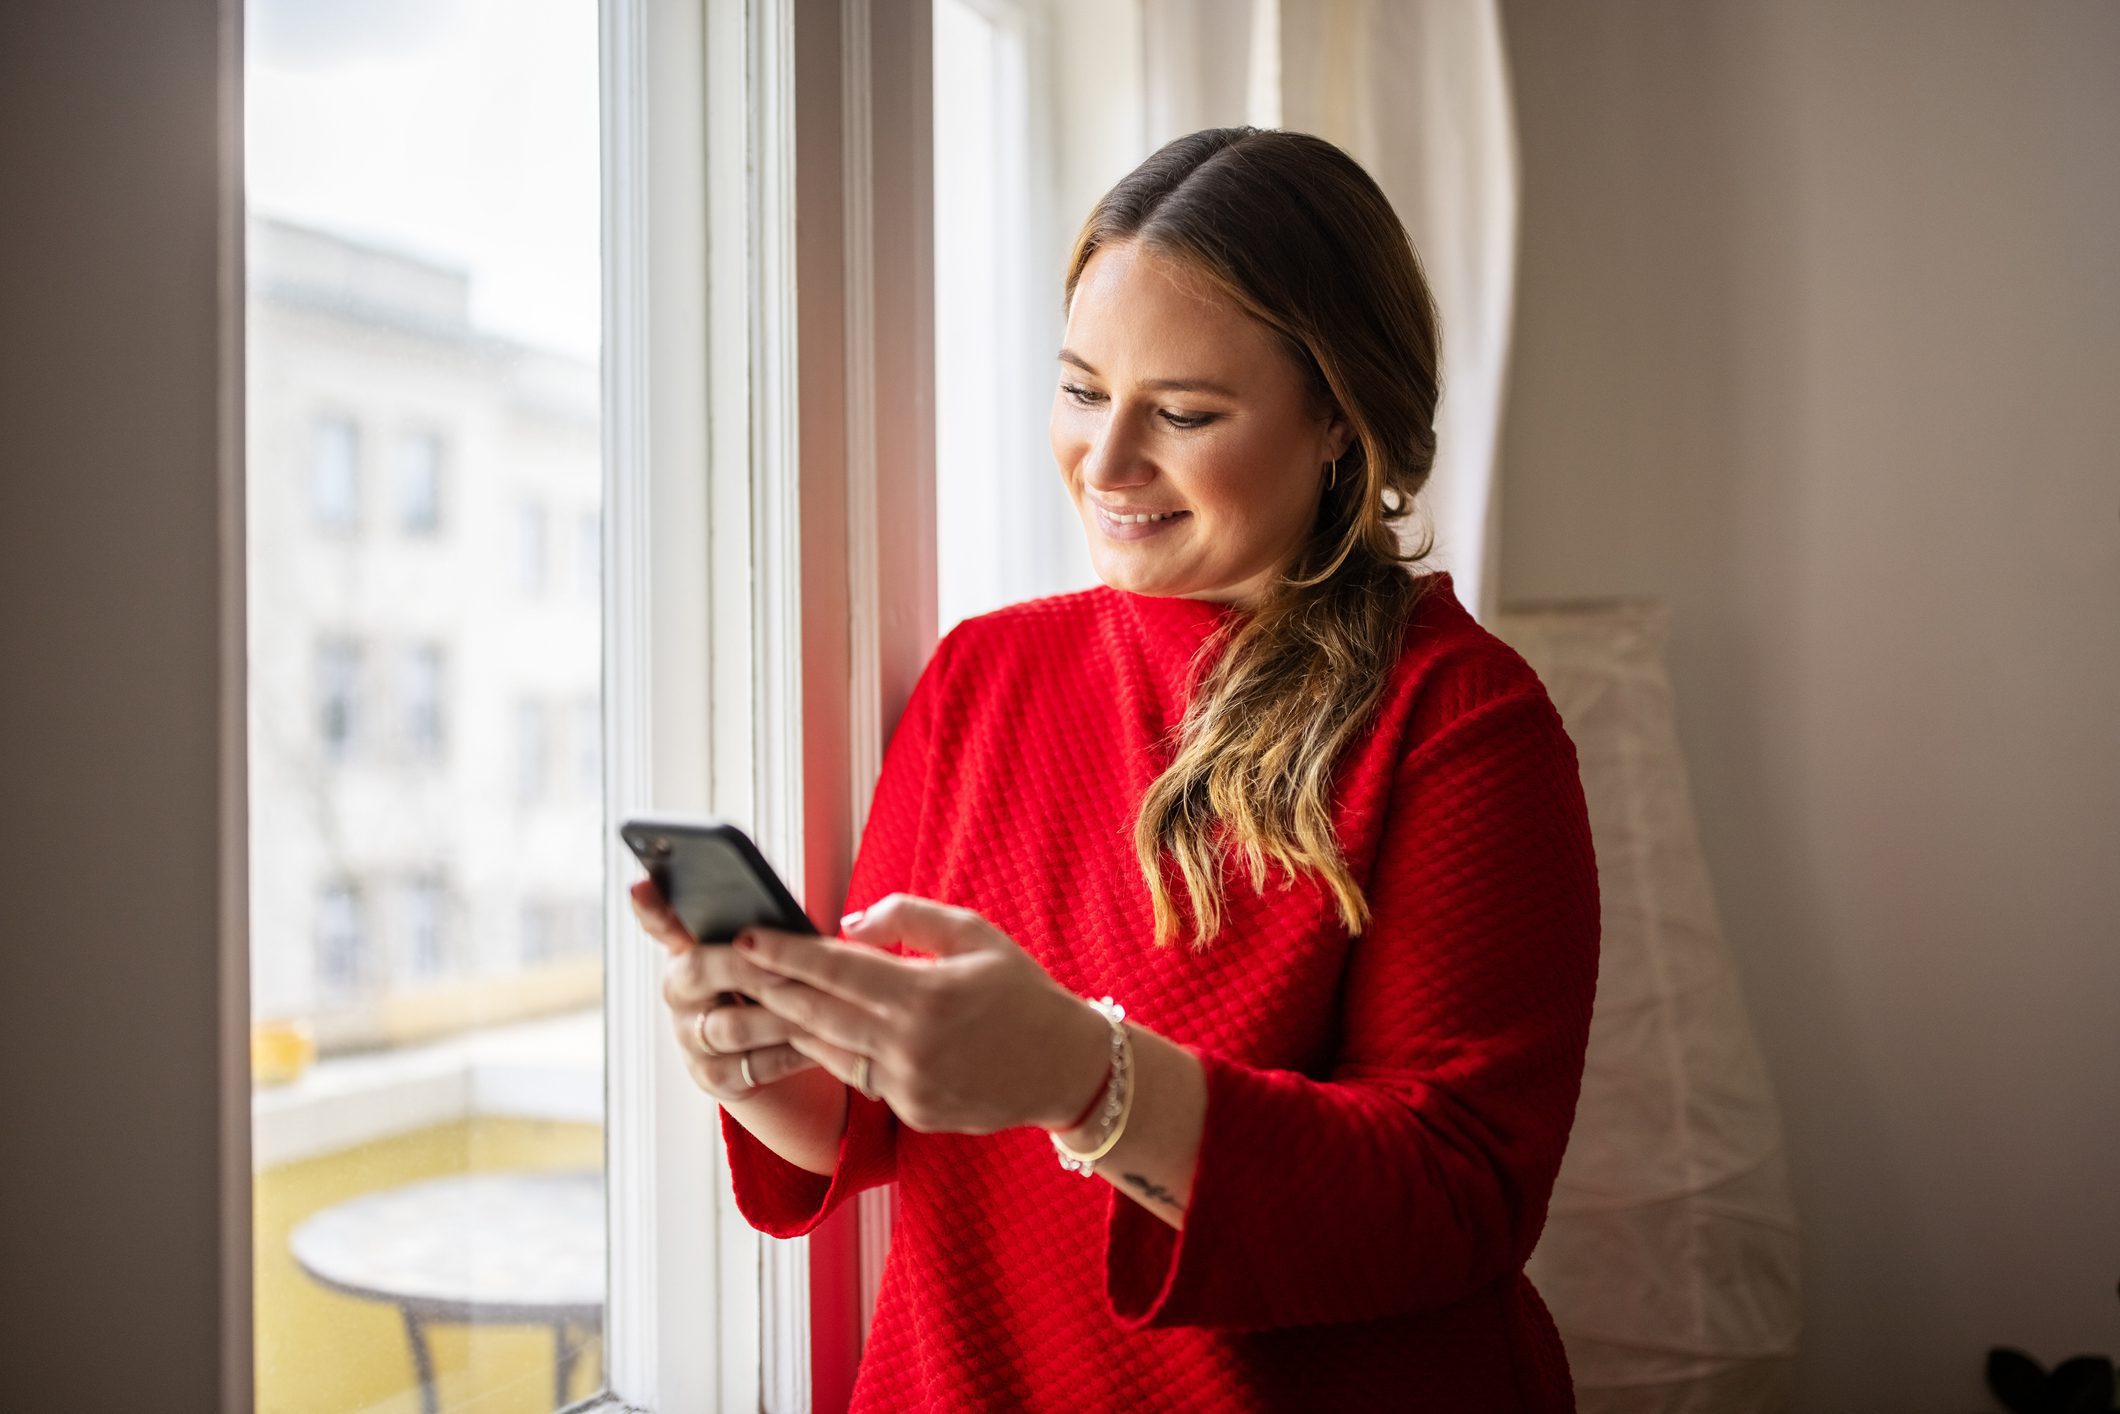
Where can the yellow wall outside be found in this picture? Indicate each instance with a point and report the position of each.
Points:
(319, 1352)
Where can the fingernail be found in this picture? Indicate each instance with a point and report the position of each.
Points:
(746, 942)
(852, 920)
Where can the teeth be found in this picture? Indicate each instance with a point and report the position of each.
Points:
(1139, 520)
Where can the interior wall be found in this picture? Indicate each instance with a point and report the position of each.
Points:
(112, 737)
(1818, 337)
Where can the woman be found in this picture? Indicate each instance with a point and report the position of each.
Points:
(1317, 833)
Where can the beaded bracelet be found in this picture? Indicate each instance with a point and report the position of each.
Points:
(1118, 1101)
(1089, 1109)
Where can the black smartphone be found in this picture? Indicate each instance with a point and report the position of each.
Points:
(713, 876)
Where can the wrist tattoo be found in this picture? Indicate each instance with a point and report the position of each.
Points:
(1154, 1190)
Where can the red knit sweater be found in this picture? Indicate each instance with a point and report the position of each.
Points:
(1385, 1113)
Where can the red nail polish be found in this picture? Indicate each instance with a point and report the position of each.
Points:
(745, 942)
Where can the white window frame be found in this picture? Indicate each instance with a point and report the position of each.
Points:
(772, 406)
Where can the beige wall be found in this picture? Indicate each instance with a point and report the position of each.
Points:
(1819, 340)
(113, 670)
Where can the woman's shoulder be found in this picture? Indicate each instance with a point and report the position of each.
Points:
(1030, 627)
(1004, 645)
(1032, 615)
(1451, 665)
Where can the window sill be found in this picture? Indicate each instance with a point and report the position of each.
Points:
(549, 1068)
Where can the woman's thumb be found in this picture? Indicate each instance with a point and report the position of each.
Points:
(921, 923)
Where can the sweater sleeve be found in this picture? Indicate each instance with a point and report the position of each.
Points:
(1419, 1172)
(783, 1199)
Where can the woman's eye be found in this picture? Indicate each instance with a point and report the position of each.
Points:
(1180, 421)
(1187, 424)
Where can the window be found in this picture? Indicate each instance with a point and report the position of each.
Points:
(419, 483)
(422, 212)
(342, 941)
(338, 695)
(334, 473)
(423, 913)
(530, 547)
(999, 246)
(421, 684)
(362, 294)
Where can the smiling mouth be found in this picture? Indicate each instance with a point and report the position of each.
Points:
(1138, 526)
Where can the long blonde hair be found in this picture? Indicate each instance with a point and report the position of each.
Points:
(1292, 231)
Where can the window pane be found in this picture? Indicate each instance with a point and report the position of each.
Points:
(425, 640)
(341, 940)
(422, 689)
(426, 902)
(1004, 217)
(334, 472)
(420, 482)
(338, 696)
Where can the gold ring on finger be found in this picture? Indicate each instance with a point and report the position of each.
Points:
(745, 1067)
(703, 1043)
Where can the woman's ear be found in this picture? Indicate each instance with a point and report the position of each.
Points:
(1339, 436)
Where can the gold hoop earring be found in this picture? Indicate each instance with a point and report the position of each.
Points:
(1335, 481)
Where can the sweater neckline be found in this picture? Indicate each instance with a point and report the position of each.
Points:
(1174, 620)
(1170, 629)
(1176, 611)
(1181, 624)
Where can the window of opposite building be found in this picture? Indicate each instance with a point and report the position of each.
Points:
(335, 471)
(422, 685)
(419, 482)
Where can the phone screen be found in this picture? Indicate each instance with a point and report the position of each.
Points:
(713, 877)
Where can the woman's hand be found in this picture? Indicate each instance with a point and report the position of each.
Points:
(695, 977)
(976, 1039)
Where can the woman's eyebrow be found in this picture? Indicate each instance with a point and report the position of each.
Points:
(1175, 385)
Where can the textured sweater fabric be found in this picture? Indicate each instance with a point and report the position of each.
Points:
(1385, 1112)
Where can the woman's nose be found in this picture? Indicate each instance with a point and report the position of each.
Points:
(1113, 457)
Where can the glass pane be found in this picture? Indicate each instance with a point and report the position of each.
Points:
(1006, 208)
(426, 717)
(420, 481)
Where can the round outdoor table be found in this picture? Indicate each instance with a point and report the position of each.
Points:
(521, 1248)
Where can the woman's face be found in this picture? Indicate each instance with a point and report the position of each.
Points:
(1172, 400)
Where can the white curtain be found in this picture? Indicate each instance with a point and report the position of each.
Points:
(1417, 91)
(1043, 104)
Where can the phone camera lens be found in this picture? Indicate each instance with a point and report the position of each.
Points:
(659, 847)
